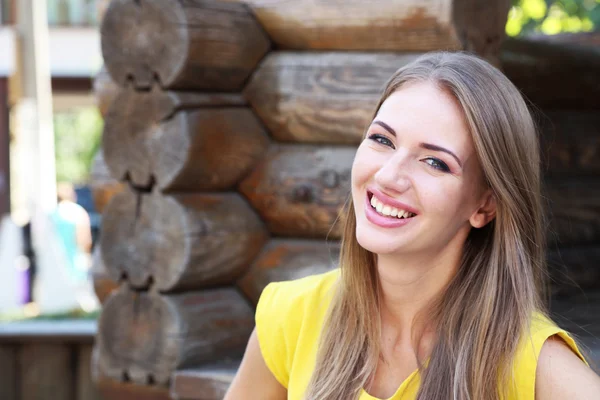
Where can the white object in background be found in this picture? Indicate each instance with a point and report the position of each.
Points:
(11, 259)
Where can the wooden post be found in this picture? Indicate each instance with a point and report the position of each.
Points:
(9, 377)
(181, 141)
(85, 387)
(300, 190)
(104, 284)
(287, 259)
(179, 242)
(144, 337)
(192, 44)
(105, 90)
(44, 369)
(321, 97)
(384, 25)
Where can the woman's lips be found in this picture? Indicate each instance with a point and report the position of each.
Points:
(385, 222)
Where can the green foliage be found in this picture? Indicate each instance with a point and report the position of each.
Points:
(77, 139)
(552, 16)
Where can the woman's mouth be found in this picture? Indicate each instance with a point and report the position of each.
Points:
(376, 210)
(387, 210)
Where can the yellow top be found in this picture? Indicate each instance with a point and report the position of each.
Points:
(289, 317)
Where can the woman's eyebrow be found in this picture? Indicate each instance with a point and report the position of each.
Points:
(434, 147)
(385, 126)
(427, 146)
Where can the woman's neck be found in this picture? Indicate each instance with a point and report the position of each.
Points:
(409, 286)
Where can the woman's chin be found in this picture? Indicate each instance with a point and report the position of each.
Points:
(377, 245)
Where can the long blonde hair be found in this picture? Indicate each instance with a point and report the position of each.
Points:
(502, 273)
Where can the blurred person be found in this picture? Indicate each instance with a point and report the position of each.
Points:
(440, 288)
(72, 224)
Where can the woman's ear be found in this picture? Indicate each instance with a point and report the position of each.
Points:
(486, 211)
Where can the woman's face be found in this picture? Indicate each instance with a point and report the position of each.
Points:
(417, 160)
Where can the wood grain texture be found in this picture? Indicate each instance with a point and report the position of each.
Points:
(9, 377)
(288, 259)
(299, 190)
(570, 142)
(46, 372)
(102, 184)
(553, 75)
(321, 97)
(104, 284)
(392, 25)
(179, 242)
(209, 382)
(184, 44)
(145, 336)
(574, 211)
(101, 6)
(105, 90)
(115, 390)
(165, 138)
(85, 387)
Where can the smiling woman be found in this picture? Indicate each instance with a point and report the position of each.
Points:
(440, 288)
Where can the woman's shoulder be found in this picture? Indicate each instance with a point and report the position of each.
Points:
(541, 329)
(301, 290)
(288, 314)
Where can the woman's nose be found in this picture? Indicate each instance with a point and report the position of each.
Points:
(394, 174)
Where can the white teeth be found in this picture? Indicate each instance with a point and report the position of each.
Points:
(389, 211)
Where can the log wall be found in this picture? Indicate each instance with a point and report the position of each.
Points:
(227, 150)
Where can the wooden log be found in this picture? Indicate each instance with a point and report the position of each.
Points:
(145, 336)
(300, 189)
(179, 242)
(102, 184)
(204, 383)
(105, 91)
(46, 372)
(101, 6)
(554, 75)
(114, 390)
(574, 211)
(184, 44)
(287, 259)
(9, 380)
(570, 142)
(321, 97)
(574, 268)
(161, 137)
(104, 284)
(85, 387)
(408, 25)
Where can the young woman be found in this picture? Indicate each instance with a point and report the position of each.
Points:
(439, 292)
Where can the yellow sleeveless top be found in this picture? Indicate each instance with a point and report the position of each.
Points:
(289, 317)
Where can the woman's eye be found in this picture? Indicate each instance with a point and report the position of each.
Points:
(382, 139)
(437, 164)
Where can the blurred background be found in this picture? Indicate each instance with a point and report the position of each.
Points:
(69, 58)
(50, 134)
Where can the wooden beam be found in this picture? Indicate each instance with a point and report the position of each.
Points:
(71, 84)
